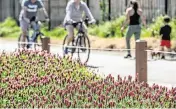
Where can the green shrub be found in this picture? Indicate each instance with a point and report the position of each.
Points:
(108, 29)
(57, 32)
(112, 29)
(155, 26)
(173, 25)
(104, 29)
(9, 28)
(9, 22)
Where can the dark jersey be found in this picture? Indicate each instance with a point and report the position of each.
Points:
(32, 8)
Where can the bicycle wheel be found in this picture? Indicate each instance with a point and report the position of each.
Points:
(38, 41)
(22, 44)
(83, 44)
(70, 49)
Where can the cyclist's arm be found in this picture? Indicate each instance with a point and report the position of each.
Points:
(42, 8)
(24, 9)
(22, 3)
(68, 12)
(87, 11)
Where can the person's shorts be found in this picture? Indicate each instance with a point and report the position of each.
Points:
(24, 25)
(166, 43)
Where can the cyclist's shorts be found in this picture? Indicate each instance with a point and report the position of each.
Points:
(24, 25)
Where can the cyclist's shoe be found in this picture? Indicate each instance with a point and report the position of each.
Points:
(128, 56)
(29, 45)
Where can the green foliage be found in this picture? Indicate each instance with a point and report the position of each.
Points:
(108, 29)
(57, 32)
(173, 25)
(154, 27)
(105, 29)
(9, 28)
(112, 28)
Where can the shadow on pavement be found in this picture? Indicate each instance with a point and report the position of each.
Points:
(92, 66)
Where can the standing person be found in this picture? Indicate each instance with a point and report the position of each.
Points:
(165, 32)
(133, 16)
(74, 13)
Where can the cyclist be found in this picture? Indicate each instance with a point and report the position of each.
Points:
(28, 15)
(74, 12)
(133, 15)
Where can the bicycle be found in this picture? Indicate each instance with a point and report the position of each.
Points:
(80, 43)
(35, 38)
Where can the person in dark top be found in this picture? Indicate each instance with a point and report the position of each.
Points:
(133, 16)
(165, 32)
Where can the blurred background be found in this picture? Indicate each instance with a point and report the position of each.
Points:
(102, 10)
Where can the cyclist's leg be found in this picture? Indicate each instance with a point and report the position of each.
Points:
(24, 28)
(36, 29)
(85, 28)
(70, 30)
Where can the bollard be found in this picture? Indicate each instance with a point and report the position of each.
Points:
(45, 44)
(141, 60)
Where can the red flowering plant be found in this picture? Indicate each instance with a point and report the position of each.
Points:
(36, 79)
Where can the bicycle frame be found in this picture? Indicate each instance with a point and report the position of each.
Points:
(80, 30)
(35, 33)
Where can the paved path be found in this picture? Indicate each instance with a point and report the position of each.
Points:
(161, 71)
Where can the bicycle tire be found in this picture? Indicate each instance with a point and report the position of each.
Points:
(72, 43)
(64, 41)
(38, 40)
(78, 43)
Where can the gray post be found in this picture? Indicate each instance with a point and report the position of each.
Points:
(141, 60)
(45, 44)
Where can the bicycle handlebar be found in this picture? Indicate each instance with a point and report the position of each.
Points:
(43, 21)
(78, 22)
